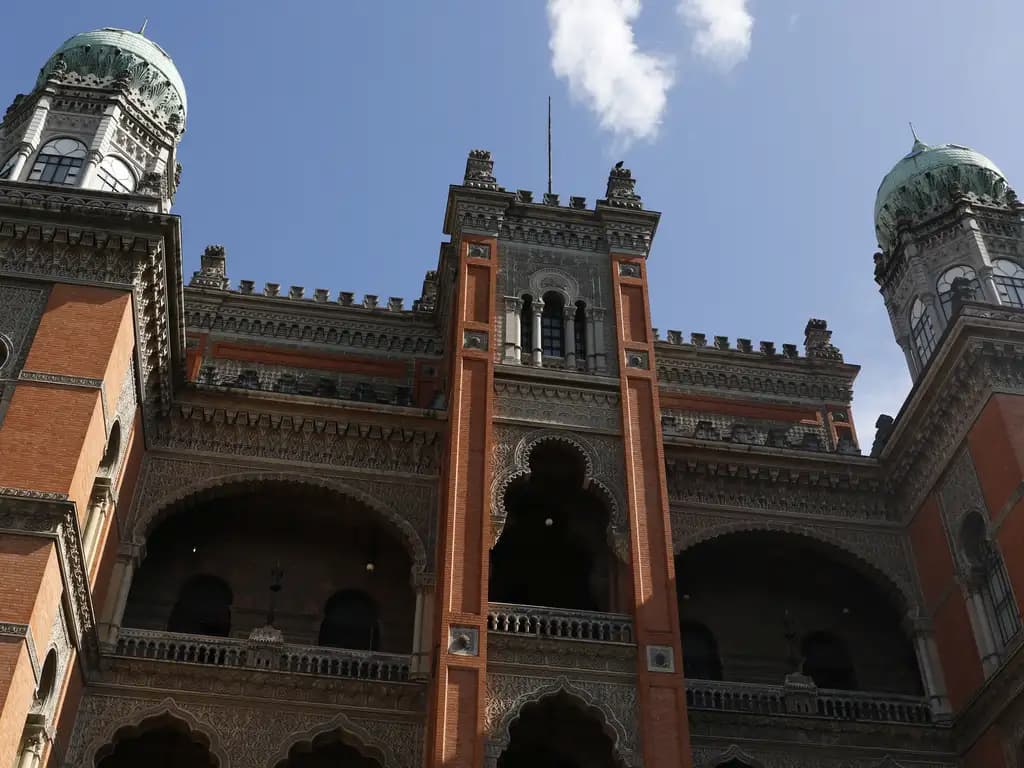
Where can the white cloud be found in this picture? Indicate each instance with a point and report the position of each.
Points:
(722, 29)
(592, 47)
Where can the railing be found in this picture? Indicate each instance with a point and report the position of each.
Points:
(538, 621)
(275, 657)
(807, 702)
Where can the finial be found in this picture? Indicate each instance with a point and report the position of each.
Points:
(918, 144)
(142, 29)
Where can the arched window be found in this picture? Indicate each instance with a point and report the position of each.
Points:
(922, 332)
(114, 175)
(991, 577)
(203, 608)
(59, 162)
(945, 286)
(552, 325)
(350, 621)
(526, 325)
(5, 351)
(47, 678)
(579, 330)
(827, 661)
(8, 166)
(113, 449)
(1009, 279)
(700, 652)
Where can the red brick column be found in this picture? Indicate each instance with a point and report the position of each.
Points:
(664, 731)
(456, 737)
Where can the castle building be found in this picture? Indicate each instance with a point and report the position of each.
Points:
(509, 525)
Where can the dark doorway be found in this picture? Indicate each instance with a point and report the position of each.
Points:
(203, 608)
(333, 754)
(827, 661)
(167, 746)
(557, 732)
(350, 621)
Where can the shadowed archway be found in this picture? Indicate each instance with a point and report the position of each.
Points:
(159, 742)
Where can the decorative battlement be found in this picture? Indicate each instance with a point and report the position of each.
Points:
(817, 344)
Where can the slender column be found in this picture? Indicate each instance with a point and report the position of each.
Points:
(928, 661)
(538, 349)
(32, 750)
(986, 278)
(417, 634)
(570, 338)
(24, 150)
(982, 630)
(513, 333)
(124, 572)
(92, 159)
(907, 345)
(600, 360)
(591, 354)
(98, 508)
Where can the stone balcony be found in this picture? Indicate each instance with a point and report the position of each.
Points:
(807, 701)
(262, 651)
(559, 623)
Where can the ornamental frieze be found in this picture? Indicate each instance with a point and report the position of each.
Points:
(545, 403)
(533, 651)
(243, 736)
(679, 374)
(802, 756)
(301, 439)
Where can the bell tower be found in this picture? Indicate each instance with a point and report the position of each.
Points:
(106, 113)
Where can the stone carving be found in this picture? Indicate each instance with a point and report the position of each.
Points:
(252, 736)
(407, 507)
(811, 493)
(479, 251)
(480, 170)
(540, 652)
(561, 405)
(614, 704)
(213, 270)
(884, 554)
(603, 474)
(818, 342)
(21, 306)
(475, 340)
(621, 191)
(299, 439)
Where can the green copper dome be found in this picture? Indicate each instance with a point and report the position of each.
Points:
(927, 179)
(117, 58)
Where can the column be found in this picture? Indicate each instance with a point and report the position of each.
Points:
(416, 670)
(907, 345)
(600, 358)
(978, 614)
(23, 151)
(32, 747)
(121, 578)
(988, 284)
(591, 354)
(513, 334)
(538, 349)
(932, 678)
(99, 505)
(92, 159)
(570, 337)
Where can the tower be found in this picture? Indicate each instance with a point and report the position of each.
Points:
(948, 226)
(87, 175)
(106, 114)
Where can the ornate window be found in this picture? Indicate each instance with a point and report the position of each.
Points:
(990, 578)
(945, 286)
(552, 326)
(922, 332)
(580, 333)
(526, 325)
(5, 351)
(203, 608)
(700, 652)
(113, 449)
(827, 661)
(8, 166)
(350, 621)
(1009, 279)
(114, 175)
(59, 162)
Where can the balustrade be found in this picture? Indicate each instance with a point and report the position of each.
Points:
(278, 657)
(821, 702)
(559, 623)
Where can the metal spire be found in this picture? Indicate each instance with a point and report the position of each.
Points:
(918, 144)
(142, 29)
(549, 145)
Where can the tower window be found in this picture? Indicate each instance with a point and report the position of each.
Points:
(59, 162)
(113, 175)
(552, 326)
(945, 286)
(8, 166)
(922, 332)
(1009, 279)
(526, 325)
(987, 564)
(580, 332)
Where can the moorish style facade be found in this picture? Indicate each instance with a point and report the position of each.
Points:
(508, 524)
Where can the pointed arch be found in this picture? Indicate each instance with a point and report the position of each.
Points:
(734, 754)
(348, 732)
(148, 517)
(138, 722)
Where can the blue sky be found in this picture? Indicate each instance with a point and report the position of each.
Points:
(322, 136)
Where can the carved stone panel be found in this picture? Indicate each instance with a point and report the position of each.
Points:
(244, 734)
(613, 704)
(547, 404)
(959, 495)
(21, 306)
